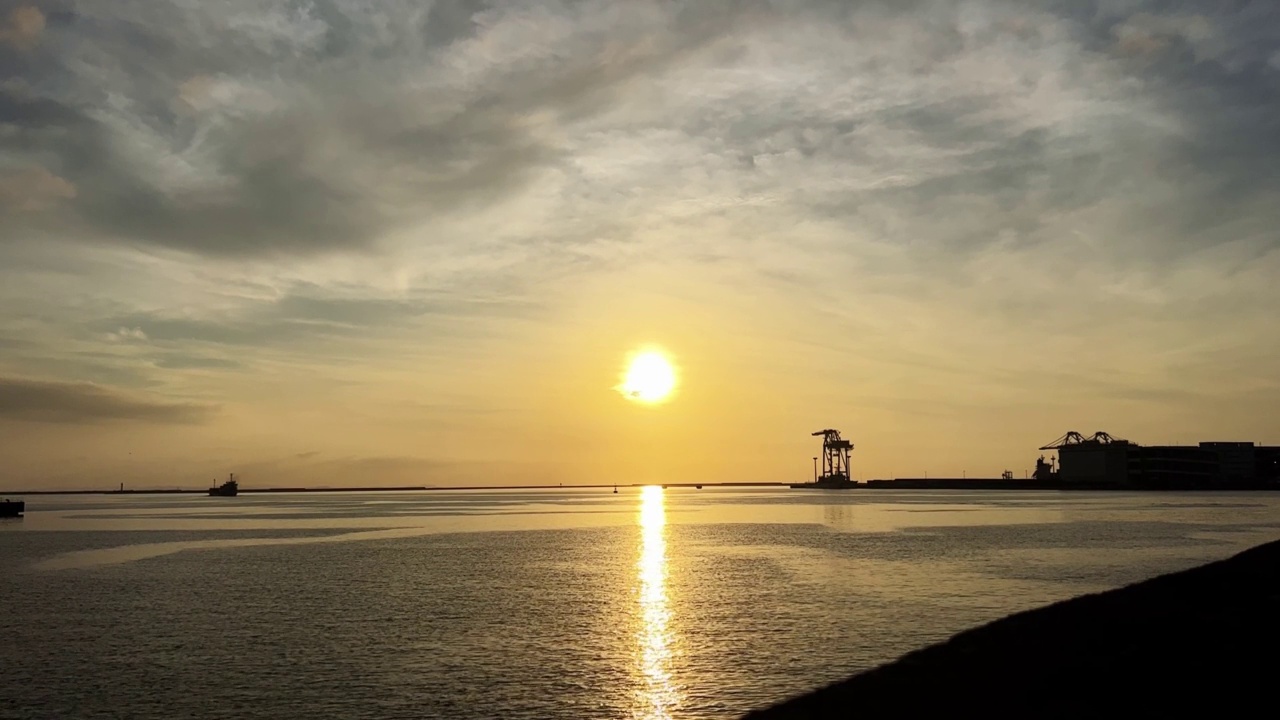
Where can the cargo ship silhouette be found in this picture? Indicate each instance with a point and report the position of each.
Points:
(227, 489)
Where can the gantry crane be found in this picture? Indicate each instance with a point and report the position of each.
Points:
(835, 455)
(1074, 438)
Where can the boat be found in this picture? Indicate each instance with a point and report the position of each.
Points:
(227, 489)
(12, 508)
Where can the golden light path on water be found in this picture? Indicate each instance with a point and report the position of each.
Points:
(658, 693)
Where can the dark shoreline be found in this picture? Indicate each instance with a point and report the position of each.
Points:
(1196, 642)
(1069, 486)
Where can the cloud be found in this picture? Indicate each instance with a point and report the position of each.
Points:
(307, 317)
(373, 128)
(62, 402)
(126, 334)
(564, 132)
(23, 28)
(339, 148)
(1147, 33)
(32, 189)
(181, 361)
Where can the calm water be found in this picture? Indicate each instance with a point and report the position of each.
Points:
(555, 604)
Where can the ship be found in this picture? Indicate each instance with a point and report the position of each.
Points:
(227, 489)
(835, 464)
(12, 508)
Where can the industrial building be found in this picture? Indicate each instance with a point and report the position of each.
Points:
(1103, 460)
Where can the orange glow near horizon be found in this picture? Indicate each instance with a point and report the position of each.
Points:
(658, 695)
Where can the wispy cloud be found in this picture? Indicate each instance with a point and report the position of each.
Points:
(126, 334)
(33, 188)
(59, 402)
(22, 28)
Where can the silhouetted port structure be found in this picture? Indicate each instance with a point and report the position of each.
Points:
(1103, 460)
(1096, 462)
(835, 455)
(835, 462)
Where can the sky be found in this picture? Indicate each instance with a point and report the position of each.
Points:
(414, 243)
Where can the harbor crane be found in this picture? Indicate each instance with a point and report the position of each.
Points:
(835, 454)
(1075, 438)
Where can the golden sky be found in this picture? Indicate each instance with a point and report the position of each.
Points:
(414, 243)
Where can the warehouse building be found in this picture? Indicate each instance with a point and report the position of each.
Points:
(1103, 460)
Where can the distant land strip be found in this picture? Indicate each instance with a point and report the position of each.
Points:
(399, 488)
(875, 484)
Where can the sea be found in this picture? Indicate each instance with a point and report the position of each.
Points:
(558, 603)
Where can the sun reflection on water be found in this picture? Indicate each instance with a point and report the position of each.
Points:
(658, 694)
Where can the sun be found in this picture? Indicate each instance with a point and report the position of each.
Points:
(649, 378)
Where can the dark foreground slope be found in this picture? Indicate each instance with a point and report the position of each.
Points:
(1206, 640)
